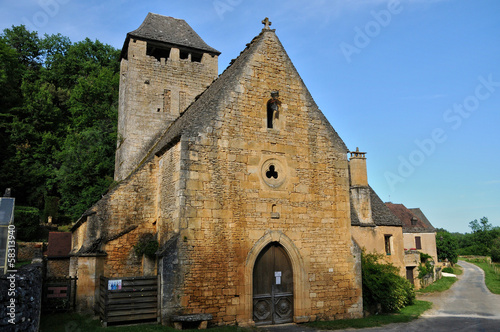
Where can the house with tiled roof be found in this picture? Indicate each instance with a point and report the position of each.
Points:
(418, 234)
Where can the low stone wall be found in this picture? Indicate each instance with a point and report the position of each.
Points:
(26, 251)
(20, 299)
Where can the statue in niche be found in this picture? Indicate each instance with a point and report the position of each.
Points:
(273, 106)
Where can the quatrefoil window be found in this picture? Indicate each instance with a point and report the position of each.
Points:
(273, 173)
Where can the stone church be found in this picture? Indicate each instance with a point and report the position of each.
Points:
(239, 178)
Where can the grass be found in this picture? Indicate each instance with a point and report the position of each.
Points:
(457, 270)
(80, 323)
(22, 263)
(439, 285)
(491, 277)
(406, 314)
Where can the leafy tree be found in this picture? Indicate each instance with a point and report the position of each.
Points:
(27, 220)
(58, 115)
(447, 246)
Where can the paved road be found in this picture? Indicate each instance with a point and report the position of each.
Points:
(467, 306)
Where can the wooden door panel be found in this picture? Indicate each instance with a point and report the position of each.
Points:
(273, 287)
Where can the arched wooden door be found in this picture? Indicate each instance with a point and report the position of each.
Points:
(273, 286)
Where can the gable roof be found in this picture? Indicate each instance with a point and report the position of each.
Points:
(168, 30)
(59, 245)
(381, 215)
(218, 95)
(406, 216)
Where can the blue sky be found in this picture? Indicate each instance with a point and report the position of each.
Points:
(414, 83)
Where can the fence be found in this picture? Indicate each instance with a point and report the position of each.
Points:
(124, 300)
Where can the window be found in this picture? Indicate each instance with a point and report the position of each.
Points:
(387, 239)
(166, 100)
(414, 221)
(182, 101)
(273, 110)
(158, 52)
(418, 243)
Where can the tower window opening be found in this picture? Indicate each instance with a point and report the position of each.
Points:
(184, 55)
(196, 57)
(157, 52)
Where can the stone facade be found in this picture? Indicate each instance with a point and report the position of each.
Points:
(251, 162)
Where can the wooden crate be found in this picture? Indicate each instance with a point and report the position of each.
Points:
(135, 300)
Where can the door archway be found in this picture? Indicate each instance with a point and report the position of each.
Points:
(273, 286)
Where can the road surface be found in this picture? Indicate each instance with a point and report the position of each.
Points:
(467, 306)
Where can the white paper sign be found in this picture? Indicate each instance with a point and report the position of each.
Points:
(277, 274)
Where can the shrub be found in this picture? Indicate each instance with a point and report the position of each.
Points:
(495, 250)
(426, 267)
(147, 245)
(382, 285)
(448, 270)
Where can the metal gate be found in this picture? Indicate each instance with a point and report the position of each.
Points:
(59, 294)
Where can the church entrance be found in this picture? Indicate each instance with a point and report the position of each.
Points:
(273, 286)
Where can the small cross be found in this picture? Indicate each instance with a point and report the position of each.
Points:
(267, 23)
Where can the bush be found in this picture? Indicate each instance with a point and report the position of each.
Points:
(448, 270)
(27, 221)
(147, 245)
(382, 285)
(426, 267)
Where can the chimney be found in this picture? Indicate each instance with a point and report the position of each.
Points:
(357, 166)
(360, 192)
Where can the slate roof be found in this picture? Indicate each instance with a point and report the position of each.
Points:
(200, 115)
(381, 215)
(169, 30)
(59, 245)
(406, 215)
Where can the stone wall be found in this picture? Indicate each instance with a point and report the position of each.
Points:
(26, 251)
(20, 299)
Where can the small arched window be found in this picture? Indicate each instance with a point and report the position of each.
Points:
(273, 106)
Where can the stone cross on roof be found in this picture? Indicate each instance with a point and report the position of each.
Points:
(266, 23)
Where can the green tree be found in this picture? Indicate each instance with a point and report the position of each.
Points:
(447, 246)
(58, 116)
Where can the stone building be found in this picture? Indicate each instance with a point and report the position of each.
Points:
(374, 227)
(418, 236)
(241, 180)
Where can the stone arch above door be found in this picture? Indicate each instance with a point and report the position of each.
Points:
(302, 303)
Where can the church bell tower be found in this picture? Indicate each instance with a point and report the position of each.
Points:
(164, 66)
